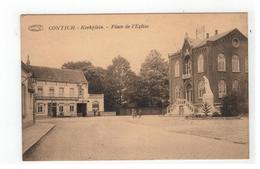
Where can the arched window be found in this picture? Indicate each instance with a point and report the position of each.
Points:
(177, 92)
(246, 64)
(177, 69)
(222, 88)
(200, 63)
(235, 63)
(235, 85)
(201, 88)
(187, 65)
(221, 62)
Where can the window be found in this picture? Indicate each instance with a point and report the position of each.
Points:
(177, 92)
(40, 91)
(71, 108)
(235, 63)
(221, 62)
(61, 91)
(235, 42)
(23, 100)
(71, 92)
(235, 85)
(187, 66)
(81, 92)
(177, 69)
(61, 108)
(222, 89)
(40, 108)
(200, 63)
(201, 88)
(51, 92)
(95, 105)
(246, 64)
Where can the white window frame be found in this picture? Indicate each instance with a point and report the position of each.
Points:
(72, 92)
(61, 91)
(222, 88)
(177, 69)
(50, 93)
(235, 87)
(200, 63)
(221, 62)
(235, 63)
(40, 108)
(177, 92)
(71, 107)
(40, 93)
(201, 88)
(246, 64)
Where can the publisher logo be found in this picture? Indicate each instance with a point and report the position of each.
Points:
(35, 28)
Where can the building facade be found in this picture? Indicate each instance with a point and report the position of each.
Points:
(63, 92)
(221, 60)
(27, 97)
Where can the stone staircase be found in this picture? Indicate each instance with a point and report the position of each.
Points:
(181, 107)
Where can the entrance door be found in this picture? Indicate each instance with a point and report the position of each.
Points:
(181, 110)
(189, 94)
(82, 109)
(52, 109)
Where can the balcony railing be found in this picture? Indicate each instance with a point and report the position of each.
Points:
(55, 98)
(186, 76)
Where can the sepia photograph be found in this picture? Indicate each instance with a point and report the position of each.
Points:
(134, 86)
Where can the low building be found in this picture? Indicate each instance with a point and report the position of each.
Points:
(27, 99)
(209, 68)
(63, 92)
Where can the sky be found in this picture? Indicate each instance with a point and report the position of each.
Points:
(64, 38)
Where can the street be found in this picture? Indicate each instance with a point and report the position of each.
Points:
(124, 138)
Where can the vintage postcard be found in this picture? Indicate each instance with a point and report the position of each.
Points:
(155, 86)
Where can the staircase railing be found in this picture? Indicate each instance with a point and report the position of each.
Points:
(178, 102)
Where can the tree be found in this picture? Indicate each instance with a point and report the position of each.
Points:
(233, 105)
(118, 78)
(94, 75)
(155, 81)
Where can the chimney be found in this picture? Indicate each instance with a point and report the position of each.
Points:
(207, 35)
(28, 60)
(216, 32)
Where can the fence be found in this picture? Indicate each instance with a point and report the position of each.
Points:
(145, 111)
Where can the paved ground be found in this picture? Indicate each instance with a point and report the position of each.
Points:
(32, 134)
(124, 138)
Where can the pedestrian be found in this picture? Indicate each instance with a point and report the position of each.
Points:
(133, 111)
(139, 113)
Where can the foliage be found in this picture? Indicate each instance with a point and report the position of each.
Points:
(216, 114)
(119, 78)
(94, 75)
(233, 105)
(122, 87)
(206, 108)
(154, 80)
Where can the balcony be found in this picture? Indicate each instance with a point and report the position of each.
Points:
(39, 97)
(186, 76)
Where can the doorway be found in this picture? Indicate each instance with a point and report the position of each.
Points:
(189, 95)
(82, 109)
(52, 109)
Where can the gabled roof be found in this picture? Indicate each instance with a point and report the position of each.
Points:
(25, 67)
(195, 43)
(57, 75)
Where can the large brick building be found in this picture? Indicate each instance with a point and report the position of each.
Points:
(220, 60)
